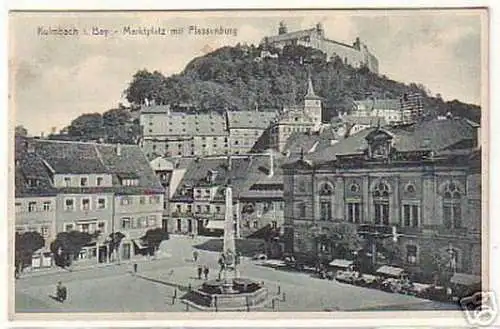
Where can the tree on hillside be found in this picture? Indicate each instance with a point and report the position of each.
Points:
(153, 239)
(68, 245)
(25, 245)
(21, 131)
(146, 85)
(89, 125)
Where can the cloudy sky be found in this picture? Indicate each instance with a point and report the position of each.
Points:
(56, 78)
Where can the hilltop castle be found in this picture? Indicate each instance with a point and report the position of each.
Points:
(356, 55)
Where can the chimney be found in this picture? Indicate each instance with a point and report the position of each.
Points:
(229, 163)
(118, 149)
(271, 164)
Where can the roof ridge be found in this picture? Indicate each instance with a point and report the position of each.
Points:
(99, 156)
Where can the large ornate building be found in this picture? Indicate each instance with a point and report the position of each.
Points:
(420, 183)
(356, 55)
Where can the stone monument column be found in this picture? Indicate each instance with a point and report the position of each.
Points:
(229, 247)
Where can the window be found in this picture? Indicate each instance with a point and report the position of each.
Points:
(236, 142)
(99, 181)
(67, 181)
(207, 208)
(33, 182)
(84, 181)
(44, 232)
(101, 226)
(217, 209)
(130, 182)
(125, 201)
(179, 208)
(46, 205)
(325, 210)
(326, 189)
(198, 209)
(31, 206)
(302, 211)
(255, 224)
(125, 223)
(85, 228)
(69, 205)
(152, 221)
(189, 208)
(154, 199)
(411, 254)
(68, 227)
(274, 224)
(411, 215)
(354, 212)
(19, 207)
(86, 204)
(452, 211)
(101, 203)
(381, 204)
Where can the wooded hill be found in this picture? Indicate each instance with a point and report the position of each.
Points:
(237, 78)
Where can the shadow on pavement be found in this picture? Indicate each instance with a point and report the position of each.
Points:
(55, 298)
(165, 283)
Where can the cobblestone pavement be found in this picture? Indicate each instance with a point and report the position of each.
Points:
(117, 289)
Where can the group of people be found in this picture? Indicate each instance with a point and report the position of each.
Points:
(61, 292)
(203, 270)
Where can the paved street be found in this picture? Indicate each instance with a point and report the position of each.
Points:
(116, 289)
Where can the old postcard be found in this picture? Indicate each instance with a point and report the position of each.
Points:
(174, 165)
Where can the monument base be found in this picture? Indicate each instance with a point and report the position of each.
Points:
(238, 294)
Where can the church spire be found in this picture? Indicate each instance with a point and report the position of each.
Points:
(310, 90)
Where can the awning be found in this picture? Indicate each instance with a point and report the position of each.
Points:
(390, 270)
(465, 279)
(343, 263)
(215, 225)
(139, 244)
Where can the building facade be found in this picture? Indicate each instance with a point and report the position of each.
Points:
(356, 55)
(422, 183)
(405, 110)
(166, 133)
(298, 119)
(246, 127)
(83, 187)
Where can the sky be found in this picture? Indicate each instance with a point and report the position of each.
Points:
(53, 79)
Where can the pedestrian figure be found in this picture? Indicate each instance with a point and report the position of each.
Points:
(135, 267)
(200, 270)
(61, 292)
(205, 271)
(195, 255)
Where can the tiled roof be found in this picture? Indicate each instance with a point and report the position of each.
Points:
(70, 157)
(30, 166)
(307, 141)
(47, 157)
(250, 119)
(432, 135)
(155, 109)
(197, 171)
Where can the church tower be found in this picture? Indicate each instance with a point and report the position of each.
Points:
(312, 105)
(282, 28)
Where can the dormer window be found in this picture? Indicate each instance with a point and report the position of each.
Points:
(33, 182)
(84, 181)
(130, 182)
(67, 181)
(99, 181)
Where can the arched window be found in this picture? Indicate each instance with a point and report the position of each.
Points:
(452, 206)
(381, 203)
(325, 201)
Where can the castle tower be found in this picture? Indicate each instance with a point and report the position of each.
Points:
(282, 29)
(320, 30)
(312, 105)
